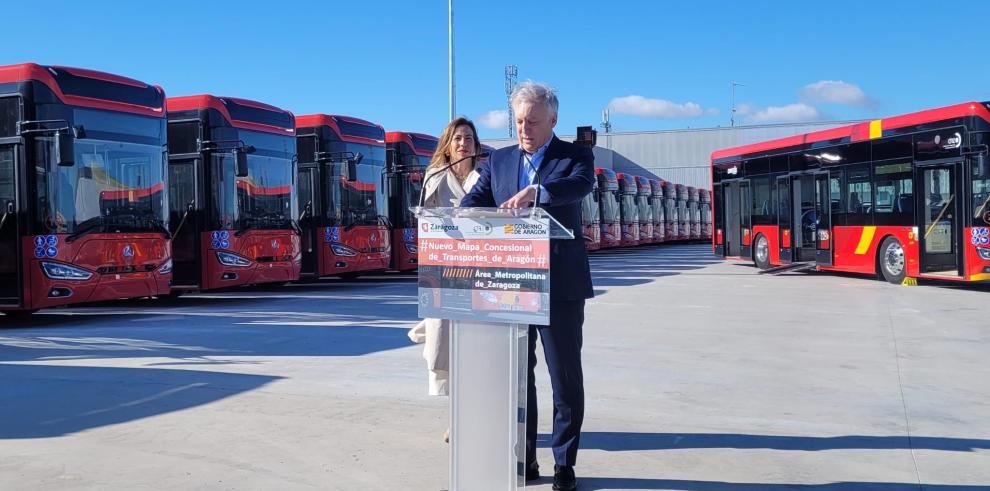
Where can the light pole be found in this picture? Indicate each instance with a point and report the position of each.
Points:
(732, 109)
(450, 56)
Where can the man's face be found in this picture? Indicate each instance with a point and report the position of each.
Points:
(534, 125)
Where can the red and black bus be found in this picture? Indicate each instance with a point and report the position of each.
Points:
(341, 163)
(232, 193)
(905, 196)
(705, 205)
(645, 211)
(406, 160)
(608, 201)
(657, 208)
(628, 210)
(694, 213)
(591, 219)
(683, 214)
(671, 225)
(82, 188)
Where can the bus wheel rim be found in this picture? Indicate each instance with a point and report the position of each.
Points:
(894, 259)
(762, 249)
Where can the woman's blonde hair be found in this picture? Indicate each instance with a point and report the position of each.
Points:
(440, 157)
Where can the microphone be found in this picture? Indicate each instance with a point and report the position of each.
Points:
(422, 190)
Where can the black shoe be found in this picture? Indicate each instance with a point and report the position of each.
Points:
(563, 478)
(532, 471)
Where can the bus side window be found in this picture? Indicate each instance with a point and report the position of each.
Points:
(860, 196)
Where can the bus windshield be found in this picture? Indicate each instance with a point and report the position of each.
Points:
(670, 210)
(629, 212)
(589, 209)
(609, 209)
(657, 205)
(357, 203)
(644, 207)
(117, 182)
(265, 199)
(981, 195)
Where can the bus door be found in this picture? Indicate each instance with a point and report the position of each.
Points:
(823, 213)
(309, 215)
(939, 230)
(784, 218)
(10, 281)
(185, 220)
(737, 218)
(804, 235)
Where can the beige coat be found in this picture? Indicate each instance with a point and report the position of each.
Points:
(440, 192)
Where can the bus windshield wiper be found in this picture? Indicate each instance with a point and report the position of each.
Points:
(245, 221)
(158, 226)
(92, 225)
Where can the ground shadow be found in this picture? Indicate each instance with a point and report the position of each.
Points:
(602, 483)
(622, 442)
(42, 401)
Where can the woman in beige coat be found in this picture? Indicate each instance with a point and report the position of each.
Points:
(458, 140)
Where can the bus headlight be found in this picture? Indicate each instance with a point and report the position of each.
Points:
(228, 259)
(342, 250)
(166, 268)
(984, 253)
(412, 248)
(59, 271)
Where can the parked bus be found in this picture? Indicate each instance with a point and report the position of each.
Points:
(670, 211)
(706, 214)
(683, 215)
(645, 212)
(231, 193)
(905, 196)
(341, 163)
(82, 188)
(608, 203)
(591, 219)
(406, 160)
(657, 207)
(694, 213)
(628, 210)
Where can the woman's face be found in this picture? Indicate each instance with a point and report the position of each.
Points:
(462, 144)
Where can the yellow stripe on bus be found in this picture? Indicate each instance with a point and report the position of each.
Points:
(979, 277)
(876, 128)
(865, 240)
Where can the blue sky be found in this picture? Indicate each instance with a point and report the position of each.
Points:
(657, 65)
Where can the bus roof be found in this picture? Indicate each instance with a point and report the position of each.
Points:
(90, 88)
(241, 113)
(421, 143)
(857, 132)
(346, 127)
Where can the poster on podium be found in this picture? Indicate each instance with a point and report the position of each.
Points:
(485, 269)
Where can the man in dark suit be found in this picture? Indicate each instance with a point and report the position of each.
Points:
(559, 175)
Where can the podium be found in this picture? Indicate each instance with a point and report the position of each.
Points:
(488, 271)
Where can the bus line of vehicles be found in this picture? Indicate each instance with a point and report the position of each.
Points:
(111, 190)
(625, 210)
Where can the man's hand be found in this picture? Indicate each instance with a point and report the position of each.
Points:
(522, 199)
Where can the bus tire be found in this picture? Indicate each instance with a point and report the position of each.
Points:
(761, 252)
(890, 257)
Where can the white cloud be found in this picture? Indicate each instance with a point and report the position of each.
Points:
(638, 105)
(791, 113)
(494, 120)
(836, 92)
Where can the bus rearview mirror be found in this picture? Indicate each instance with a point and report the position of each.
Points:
(242, 164)
(65, 152)
(352, 164)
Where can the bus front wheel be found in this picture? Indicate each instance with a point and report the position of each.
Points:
(761, 252)
(891, 259)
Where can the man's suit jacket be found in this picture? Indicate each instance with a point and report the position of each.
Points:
(567, 172)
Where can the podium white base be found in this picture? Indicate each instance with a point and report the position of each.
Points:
(488, 372)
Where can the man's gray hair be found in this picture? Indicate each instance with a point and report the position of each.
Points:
(535, 92)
